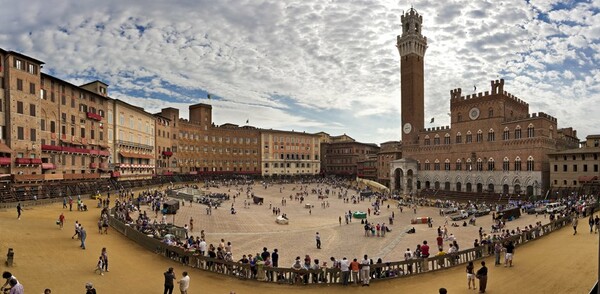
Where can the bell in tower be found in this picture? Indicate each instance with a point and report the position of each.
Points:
(412, 46)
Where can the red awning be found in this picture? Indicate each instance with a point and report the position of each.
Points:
(585, 179)
(4, 148)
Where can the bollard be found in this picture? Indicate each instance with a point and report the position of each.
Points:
(9, 257)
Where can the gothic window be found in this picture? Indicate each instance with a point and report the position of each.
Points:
(458, 138)
(518, 132)
(436, 165)
(530, 131)
(459, 117)
(436, 140)
(491, 136)
(506, 134)
(427, 167)
(418, 165)
(469, 138)
(491, 112)
(427, 141)
(458, 165)
(491, 165)
(447, 164)
(505, 164)
(517, 164)
(469, 165)
(447, 139)
(479, 164)
(479, 136)
(530, 165)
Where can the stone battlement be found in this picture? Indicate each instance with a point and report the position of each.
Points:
(497, 87)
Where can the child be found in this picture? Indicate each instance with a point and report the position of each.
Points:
(100, 266)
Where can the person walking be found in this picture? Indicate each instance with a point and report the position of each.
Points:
(365, 270)
(482, 276)
(19, 210)
(318, 239)
(470, 275)
(100, 266)
(169, 278)
(82, 236)
(574, 223)
(104, 256)
(184, 283)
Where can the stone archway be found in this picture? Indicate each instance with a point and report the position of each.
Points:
(505, 189)
(447, 186)
(517, 189)
(491, 188)
(458, 186)
(479, 188)
(437, 185)
(398, 179)
(529, 191)
(469, 187)
(427, 185)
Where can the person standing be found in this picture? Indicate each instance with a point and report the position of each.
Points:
(191, 224)
(365, 270)
(354, 267)
(89, 288)
(470, 275)
(482, 276)
(497, 251)
(76, 230)
(61, 221)
(574, 223)
(318, 239)
(82, 236)
(169, 278)
(19, 210)
(510, 250)
(184, 283)
(345, 269)
(104, 256)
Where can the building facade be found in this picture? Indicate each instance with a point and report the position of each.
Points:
(573, 168)
(166, 141)
(290, 153)
(341, 154)
(390, 151)
(493, 145)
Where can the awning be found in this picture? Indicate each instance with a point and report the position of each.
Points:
(585, 179)
(4, 148)
(136, 155)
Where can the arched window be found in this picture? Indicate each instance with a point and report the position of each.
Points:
(436, 164)
(550, 132)
(491, 136)
(459, 117)
(530, 131)
(469, 165)
(517, 164)
(491, 164)
(418, 165)
(469, 138)
(518, 132)
(436, 139)
(505, 164)
(447, 164)
(479, 164)
(458, 138)
(479, 136)
(427, 167)
(447, 139)
(506, 134)
(530, 163)
(458, 165)
(427, 141)
(491, 112)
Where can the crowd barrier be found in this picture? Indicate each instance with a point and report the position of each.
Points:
(378, 271)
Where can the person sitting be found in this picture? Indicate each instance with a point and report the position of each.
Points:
(464, 223)
(233, 211)
(411, 231)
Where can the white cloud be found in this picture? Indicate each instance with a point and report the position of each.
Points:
(335, 64)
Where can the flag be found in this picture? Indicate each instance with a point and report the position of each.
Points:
(474, 88)
(248, 120)
(432, 120)
(208, 96)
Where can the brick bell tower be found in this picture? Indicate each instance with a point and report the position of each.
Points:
(411, 46)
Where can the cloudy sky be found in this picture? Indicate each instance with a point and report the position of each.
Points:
(316, 65)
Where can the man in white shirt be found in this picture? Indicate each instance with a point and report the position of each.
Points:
(202, 247)
(345, 268)
(365, 270)
(184, 283)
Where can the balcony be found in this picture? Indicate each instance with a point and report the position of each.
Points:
(48, 166)
(49, 177)
(51, 148)
(167, 153)
(93, 165)
(75, 150)
(23, 178)
(94, 116)
(36, 161)
(4, 161)
(134, 145)
(23, 161)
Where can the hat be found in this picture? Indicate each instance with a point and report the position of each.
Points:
(89, 285)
